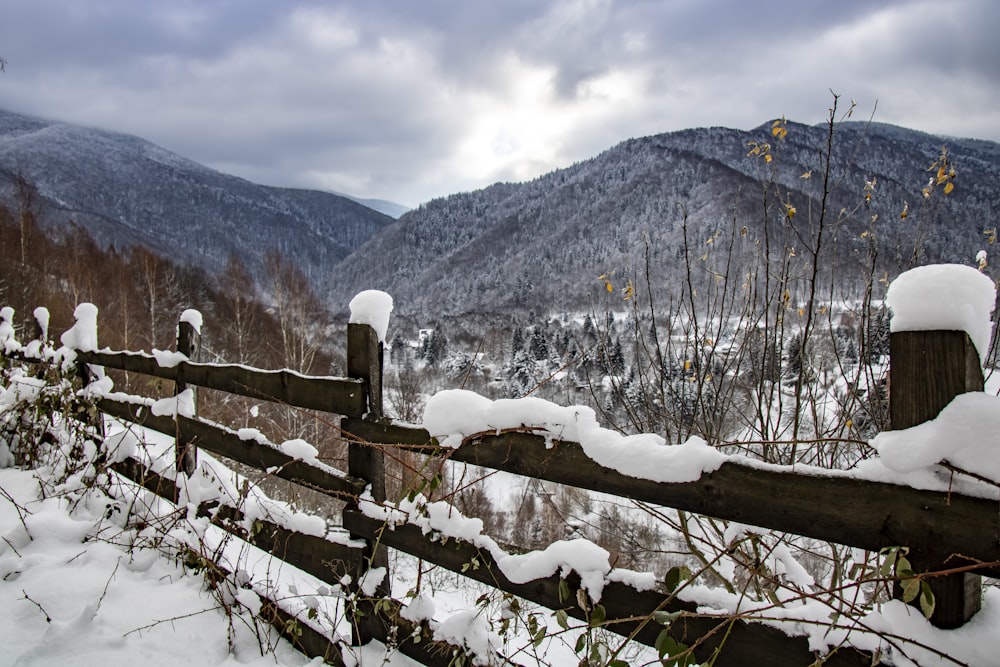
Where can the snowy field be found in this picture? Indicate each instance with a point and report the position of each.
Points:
(69, 596)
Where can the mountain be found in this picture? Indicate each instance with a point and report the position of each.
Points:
(127, 191)
(645, 207)
(543, 244)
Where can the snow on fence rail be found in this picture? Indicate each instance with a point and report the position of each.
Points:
(943, 529)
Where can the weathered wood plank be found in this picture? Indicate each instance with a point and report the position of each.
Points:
(342, 396)
(364, 362)
(153, 482)
(301, 634)
(858, 513)
(320, 557)
(224, 442)
(324, 559)
(927, 370)
(188, 344)
(738, 642)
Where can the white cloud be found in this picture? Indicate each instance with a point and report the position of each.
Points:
(410, 100)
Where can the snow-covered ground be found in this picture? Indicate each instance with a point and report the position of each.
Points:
(81, 585)
(70, 596)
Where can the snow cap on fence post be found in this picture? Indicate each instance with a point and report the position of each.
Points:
(940, 336)
(6, 326)
(194, 318)
(945, 297)
(372, 307)
(41, 315)
(82, 336)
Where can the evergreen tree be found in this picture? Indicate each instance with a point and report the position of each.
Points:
(521, 375)
(398, 350)
(517, 341)
(589, 332)
(433, 347)
(539, 347)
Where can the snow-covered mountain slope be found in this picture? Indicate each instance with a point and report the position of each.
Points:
(543, 244)
(127, 191)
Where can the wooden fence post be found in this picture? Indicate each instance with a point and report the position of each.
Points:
(188, 344)
(927, 369)
(366, 460)
(85, 374)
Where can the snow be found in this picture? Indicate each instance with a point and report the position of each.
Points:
(298, 448)
(470, 629)
(106, 605)
(7, 340)
(966, 434)
(168, 359)
(420, 608)
(41, 315)
(372, 307)
(371, 580)
(948, 297)
(589, 560)
(182, 404)
(454, 414)
(582, 556)
(82, 336)
(194, 318)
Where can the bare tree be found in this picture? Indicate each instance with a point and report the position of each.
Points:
(239, 310)
(159, 293)
(299, 313)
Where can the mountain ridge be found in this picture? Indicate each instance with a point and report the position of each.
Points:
(542, 244)
(127, 191)
(648, 205)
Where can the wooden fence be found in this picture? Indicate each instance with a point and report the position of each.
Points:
(944, 531)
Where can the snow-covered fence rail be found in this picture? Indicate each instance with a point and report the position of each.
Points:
(944, 531)
(823, 505)
(343, 396)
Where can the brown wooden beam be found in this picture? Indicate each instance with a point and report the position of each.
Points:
(627, 610)
(342, 396)
(859, 513)
(927, 370)
(224, 442)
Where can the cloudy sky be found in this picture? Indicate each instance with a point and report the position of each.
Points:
(412, 99)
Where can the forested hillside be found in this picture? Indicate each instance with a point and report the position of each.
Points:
(543, 244)
(127, 192)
